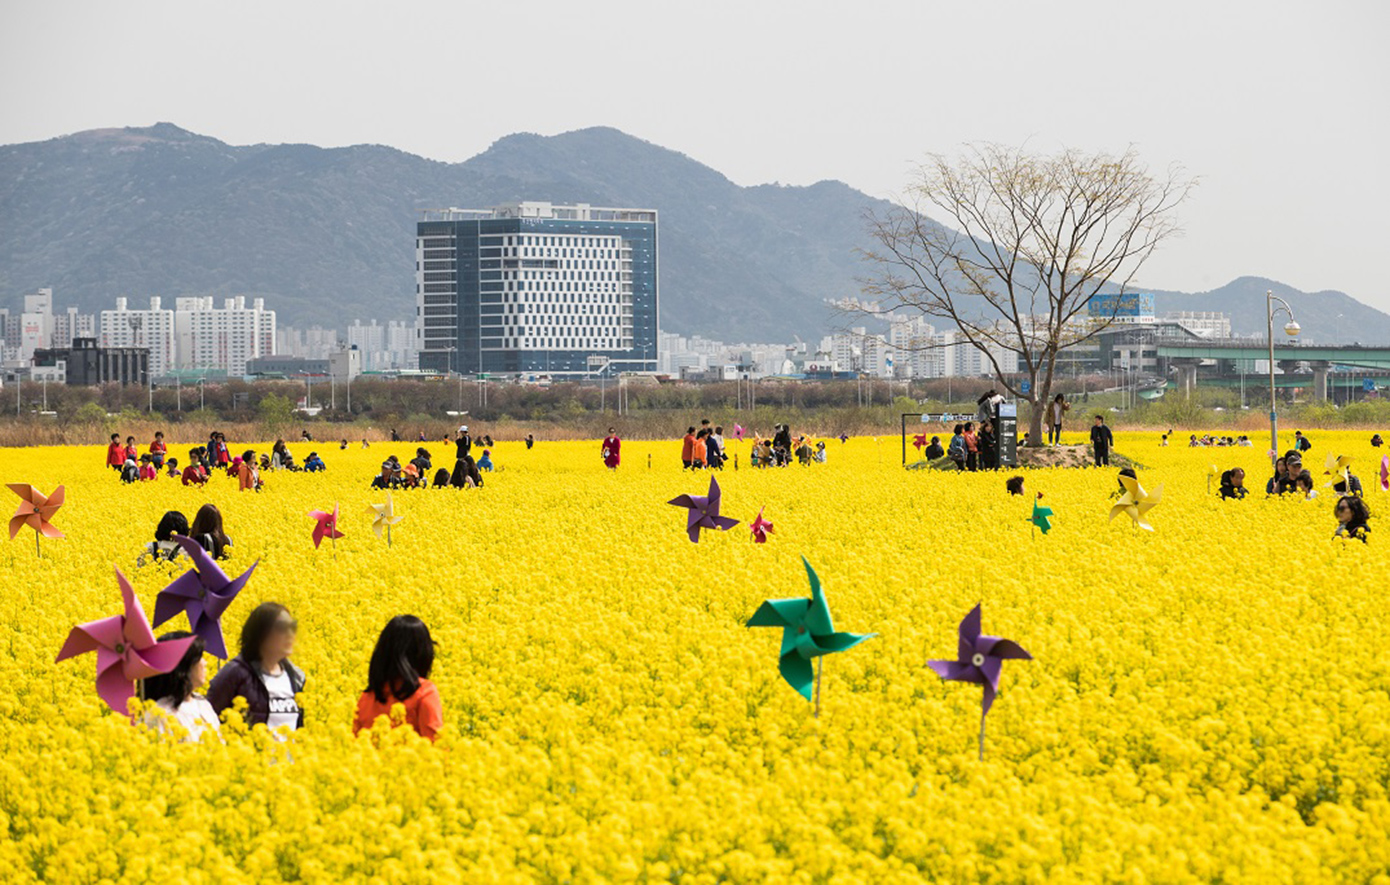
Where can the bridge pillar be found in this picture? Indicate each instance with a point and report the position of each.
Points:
(1320, 371)
(1187, 374)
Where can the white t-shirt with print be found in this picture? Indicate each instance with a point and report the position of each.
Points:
(284, 710)
(194, 714)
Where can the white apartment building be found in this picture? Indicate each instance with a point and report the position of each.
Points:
(858, 351)
(385, 347)
(226, 337)
(195, 335)
(1206, 323)
(152, 329)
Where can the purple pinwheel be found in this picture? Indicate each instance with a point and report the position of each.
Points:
(981, 662)
(204, 594)
(704, 511)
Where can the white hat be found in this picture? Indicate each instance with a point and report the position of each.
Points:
(463, 428)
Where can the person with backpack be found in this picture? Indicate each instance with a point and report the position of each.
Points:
(207, 531)
(1300, 442)
(164, 548)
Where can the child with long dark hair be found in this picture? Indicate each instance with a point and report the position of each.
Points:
(399, 674)
(175, 692)
(207, 531)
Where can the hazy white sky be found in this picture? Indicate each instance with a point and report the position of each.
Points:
(1279, 107)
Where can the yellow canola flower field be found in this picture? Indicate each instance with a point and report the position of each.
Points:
(1207, 702)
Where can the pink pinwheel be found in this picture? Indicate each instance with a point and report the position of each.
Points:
(1385, 473)
(739, 431)
(704, 511)
(919, 441)
(327, 526)
(761, 528)
(35, 510)
(126, 650)
(204, 594)
(981, 661)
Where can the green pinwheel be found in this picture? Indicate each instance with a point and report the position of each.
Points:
(807, 632)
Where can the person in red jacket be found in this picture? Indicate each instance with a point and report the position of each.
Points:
(158, 450)
(115, 453)
(131, 452)
(688, 449)
(399, 674)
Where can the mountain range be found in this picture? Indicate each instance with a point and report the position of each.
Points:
(326, 235)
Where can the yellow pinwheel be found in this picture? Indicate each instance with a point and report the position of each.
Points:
(1136, 502)
(1339, 465)
(383, 517)
(1212, 472)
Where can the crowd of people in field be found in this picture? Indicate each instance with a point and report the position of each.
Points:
(250, 468)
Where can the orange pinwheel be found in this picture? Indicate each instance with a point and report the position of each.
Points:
(35, 510)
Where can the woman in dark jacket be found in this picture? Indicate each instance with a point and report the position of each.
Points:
(207, 531)
(262, 672)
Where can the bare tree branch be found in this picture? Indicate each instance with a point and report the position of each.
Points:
(1025, 245)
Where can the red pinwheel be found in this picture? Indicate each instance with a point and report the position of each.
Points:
(981, 661)
(704, 511)
(204, 594)
(126, 649)
(761, 528)
(326, 527)
(919, 441)
(35, 510)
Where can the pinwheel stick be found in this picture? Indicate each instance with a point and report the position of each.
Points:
(388, 536)
(820, 662)
(982, 736)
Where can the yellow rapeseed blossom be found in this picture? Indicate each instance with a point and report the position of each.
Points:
(1207, 702)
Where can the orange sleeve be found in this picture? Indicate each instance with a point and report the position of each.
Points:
(431, 715)
(364, 716)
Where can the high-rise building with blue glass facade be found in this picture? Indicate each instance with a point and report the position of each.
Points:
(536, 288)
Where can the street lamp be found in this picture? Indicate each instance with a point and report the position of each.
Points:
(1291, 328)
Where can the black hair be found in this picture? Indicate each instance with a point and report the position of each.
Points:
(404, 655)
(1100, 418)
(248, 456)
(936, 439)
(441, 477)
(1226, 478)
(177, 683)
(116, 437)
(1058, 398)
(257, 628)
(208, 521)
(1305, 477)
(1359, 511)
(172, 523)
(959, 429)
(1014, 485)
(969, 425)
(690, 430)
(1128, 471)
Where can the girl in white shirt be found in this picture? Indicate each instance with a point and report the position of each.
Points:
(175, 693)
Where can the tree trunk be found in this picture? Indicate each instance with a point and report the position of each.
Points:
(1036, 437)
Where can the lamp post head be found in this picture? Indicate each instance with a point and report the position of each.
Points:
(1292, 328)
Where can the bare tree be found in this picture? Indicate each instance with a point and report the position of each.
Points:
(1026, 241)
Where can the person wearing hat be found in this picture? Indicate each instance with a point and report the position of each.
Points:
(465, 470)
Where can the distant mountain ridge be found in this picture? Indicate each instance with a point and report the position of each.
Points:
(327, 234)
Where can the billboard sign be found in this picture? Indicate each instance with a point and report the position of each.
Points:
(1130, 304)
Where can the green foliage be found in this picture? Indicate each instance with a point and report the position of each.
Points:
(90, 413)
(275, 411)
